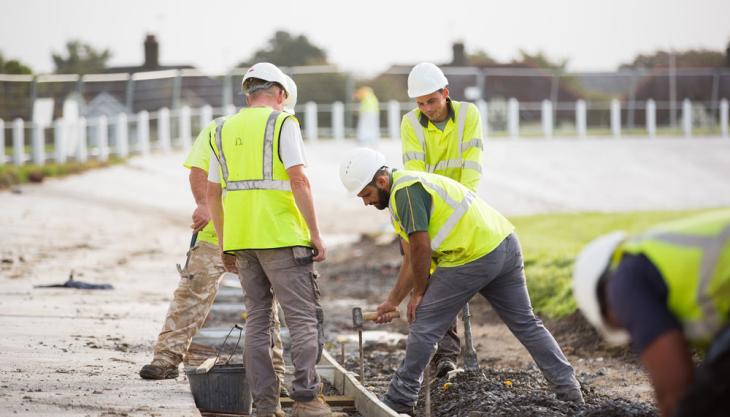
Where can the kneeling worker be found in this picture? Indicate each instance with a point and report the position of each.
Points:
(667, 290)
(475, 251)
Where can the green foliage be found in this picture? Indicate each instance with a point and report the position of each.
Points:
(285, 49)
(13, 66)
(538, 60)
(682, 59)
(81, 58)
(481, 58)
(11, 175)
(550, 243)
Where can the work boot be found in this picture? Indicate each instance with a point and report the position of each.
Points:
(572, 395)
(400, 408)
(444, 366)
(159, 369)
(315, 408)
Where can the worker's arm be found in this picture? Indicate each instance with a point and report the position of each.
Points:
(420, 250)
(303, 198)
(198, 183)
(413, 154)
(473, 141)
(668, 361)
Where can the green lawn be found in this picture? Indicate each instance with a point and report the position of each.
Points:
(551, 242)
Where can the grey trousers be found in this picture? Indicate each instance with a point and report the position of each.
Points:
(499, 276)
(263, 273)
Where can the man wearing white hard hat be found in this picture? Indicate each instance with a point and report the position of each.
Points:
(666, 290)
(268, 222)
(475, 251)
(201, 276)
(442, 136)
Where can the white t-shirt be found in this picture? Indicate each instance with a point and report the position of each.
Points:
(291, 150)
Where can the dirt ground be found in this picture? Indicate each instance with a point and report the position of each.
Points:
(612, 380)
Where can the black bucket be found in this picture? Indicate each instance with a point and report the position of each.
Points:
(223, 389)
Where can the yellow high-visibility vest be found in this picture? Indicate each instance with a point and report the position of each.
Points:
(455, 152)
(462, 227)
(693, 257)
(259, 207)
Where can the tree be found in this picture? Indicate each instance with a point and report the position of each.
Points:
(81, 58)
(13, 66)
(538, 60)
(682, 59)
(481, 58)
(287, 50)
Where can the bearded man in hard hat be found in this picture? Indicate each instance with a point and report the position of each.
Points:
(442, 136)
(267, 220)
(475, 251)
(200, 278)
(667, 290)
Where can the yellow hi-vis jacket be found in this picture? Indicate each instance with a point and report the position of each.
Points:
(455, 153)
(259, 208)
(462, 227)
(693, 257)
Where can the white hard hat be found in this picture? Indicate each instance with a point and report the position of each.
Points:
(268, 72)
(358, 168)
(589, 267)
(425, 78)
(291, 99)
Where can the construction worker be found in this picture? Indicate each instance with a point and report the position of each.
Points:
(198, 286)
(667, 290)
(267, 220)
(368, 122)
(442, 136)
(475, 251)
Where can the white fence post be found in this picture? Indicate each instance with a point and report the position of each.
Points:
(163, 128)
(580, 118)
(18, 141)
(547, 118)
(484, 115)
(206, 116)
(59, 141)
(82, 154)
(651, 118)
(338, 120)
(513, 118)
(37, 142)
(723, 117)
(2, 142)
(687, 118)
(121, 135)
(184, 119)
(143, 132)
(102, 137)
(615, 118)
(310, 120)
(229, 110)
(394, 119)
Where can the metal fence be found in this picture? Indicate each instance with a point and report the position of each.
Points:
(173, 105)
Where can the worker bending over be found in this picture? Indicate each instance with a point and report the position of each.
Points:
(475, 251)
(667, 290)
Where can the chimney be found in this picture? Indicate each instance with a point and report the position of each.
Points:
(727, 55)
(151, 53)
(459, 59)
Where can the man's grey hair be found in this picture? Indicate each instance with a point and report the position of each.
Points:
(255, 87)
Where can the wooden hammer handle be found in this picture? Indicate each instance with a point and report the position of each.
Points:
(372, 315)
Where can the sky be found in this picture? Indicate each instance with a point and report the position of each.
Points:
(364, 37)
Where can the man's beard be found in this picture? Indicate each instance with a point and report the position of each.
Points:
(383, 199)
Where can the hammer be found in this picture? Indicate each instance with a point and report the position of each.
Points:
(358, 318)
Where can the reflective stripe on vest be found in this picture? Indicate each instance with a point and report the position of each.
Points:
(459, 208)
(463, 146)
(268, 182)
(711, 247)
